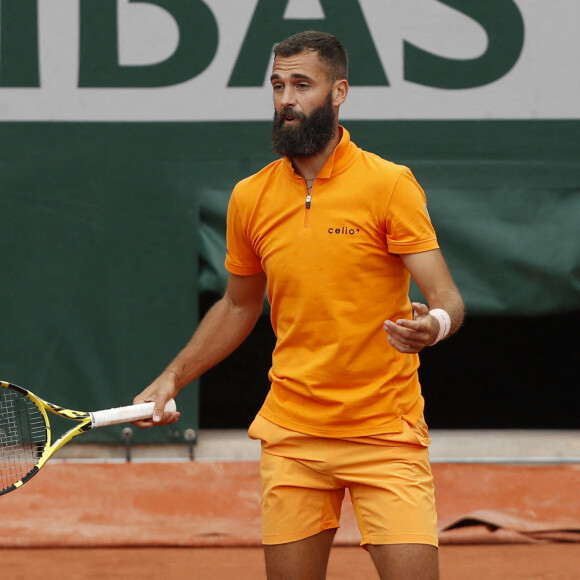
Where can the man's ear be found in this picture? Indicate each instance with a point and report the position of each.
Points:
(339, 92)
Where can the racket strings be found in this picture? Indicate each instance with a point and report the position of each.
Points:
(23, 436)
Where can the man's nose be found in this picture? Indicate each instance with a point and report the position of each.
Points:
(288, 97)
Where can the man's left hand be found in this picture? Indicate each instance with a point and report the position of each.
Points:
(412, 336)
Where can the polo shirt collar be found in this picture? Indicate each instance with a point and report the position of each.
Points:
(337, 160)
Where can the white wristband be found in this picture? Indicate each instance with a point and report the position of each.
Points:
(444, 323)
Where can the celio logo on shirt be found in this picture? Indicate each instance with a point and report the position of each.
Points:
(344, 230)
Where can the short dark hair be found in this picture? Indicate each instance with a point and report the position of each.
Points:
(332, 55)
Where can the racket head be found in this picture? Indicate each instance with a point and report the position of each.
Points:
(25, 436)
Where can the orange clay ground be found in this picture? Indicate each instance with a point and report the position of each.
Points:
(201, 520)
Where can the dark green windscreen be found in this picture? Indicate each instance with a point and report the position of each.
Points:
(111, 230)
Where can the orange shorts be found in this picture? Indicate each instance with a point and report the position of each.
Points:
(304, 479)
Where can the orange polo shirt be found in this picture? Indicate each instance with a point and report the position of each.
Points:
(334, 275)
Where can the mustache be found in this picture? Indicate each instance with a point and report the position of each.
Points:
(285, 112)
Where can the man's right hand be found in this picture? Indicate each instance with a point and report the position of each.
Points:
(163, 388)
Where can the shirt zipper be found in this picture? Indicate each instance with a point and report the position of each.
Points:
(307, 208)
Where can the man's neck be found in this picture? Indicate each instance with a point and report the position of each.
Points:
(309, 167)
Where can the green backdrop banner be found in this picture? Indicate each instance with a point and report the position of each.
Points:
(111, 230)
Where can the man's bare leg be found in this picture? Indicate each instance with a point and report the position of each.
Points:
(302, 560)
(405, 561)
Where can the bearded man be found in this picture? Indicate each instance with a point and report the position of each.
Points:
(333, 234)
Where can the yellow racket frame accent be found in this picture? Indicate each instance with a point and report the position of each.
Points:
(49, 449)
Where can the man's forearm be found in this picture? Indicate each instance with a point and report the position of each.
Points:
(452, 303)
(220, 332)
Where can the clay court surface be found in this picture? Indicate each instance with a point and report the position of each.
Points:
(201, 520)
(514, 562)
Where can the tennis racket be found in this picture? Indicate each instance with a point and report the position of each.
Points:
(25, 432)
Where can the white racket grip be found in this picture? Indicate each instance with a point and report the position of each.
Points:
(127, 414)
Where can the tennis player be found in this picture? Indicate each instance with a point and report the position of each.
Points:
(333, 235)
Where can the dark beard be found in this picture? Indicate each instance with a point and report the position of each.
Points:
(310, 137)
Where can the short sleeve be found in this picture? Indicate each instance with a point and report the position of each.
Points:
(240, 256)
(408, 225)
